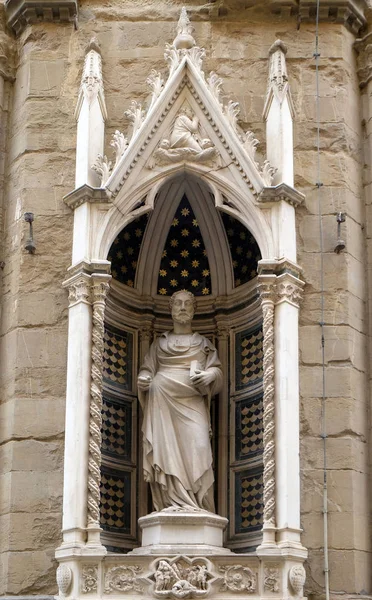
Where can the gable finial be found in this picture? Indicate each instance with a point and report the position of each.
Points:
(184, 39)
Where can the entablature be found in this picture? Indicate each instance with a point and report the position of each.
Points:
(20, 13)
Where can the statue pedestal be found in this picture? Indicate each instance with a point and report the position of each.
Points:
(182, 531)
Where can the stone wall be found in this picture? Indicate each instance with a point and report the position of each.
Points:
(40, 155)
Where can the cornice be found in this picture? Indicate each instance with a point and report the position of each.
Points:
(85, 193)
(20, 13)
(281, 192)
(348, 12)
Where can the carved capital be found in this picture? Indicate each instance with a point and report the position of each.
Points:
(267, 288)
(20, 13)
(289, 289)
(100, 288)
(79, 289)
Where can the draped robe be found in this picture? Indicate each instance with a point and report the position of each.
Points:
(177, 455)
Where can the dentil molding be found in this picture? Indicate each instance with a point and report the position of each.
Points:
(20, 13)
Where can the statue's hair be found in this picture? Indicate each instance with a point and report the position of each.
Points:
(190, 294)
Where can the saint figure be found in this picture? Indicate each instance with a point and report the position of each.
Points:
(180, 374)
(185, 132)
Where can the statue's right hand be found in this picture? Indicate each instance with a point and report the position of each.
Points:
(144, 382)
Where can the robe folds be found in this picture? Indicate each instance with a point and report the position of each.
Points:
(177, 455)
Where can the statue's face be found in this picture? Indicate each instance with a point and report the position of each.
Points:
(182, 308)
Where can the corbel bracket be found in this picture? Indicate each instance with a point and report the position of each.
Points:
(270, 195)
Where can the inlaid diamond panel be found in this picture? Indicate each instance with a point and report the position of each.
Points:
(117, 357)
(248, 358)
(249, 428)
(115, 500)
(116, 428)
(248, 501)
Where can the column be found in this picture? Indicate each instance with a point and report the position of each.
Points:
(289, 290)
(267, 291)
(77, 409)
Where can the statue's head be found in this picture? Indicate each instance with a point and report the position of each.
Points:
(183, 306)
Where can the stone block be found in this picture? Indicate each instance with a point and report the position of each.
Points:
(342, 453)
(45, 78)
(340, 307)
(343, 415)
(32, 417)
(341, 344)
(44, 491)
(36, 456)
(338, 382)
(41, 381)
(25, 531)
(31, 572)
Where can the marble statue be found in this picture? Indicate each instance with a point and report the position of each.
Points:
(180, 374)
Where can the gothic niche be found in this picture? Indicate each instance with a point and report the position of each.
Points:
(184, 243)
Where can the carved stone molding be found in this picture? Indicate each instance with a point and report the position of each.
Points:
(289, 289)
(7, 57)
(89, 578)
(20, 13)
(122, 579)
(348, 12)
(238, 579)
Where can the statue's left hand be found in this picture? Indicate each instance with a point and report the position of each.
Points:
(203, 377)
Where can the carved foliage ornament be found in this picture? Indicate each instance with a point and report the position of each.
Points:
(238, 579)
(89, 580)
(271, 579)
(79, 291)
(122, 579)
(181, 578)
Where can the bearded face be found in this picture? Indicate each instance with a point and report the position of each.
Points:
(182, 308)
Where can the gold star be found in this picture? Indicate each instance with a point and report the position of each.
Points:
(196, 243)
(164, 254)
(204, 253)
(237, 282)
(184, 253)
(174, 282)
(126, 236)
(119, 254)
(244, 268)
(130, 283)
(174, 243)
(253, 273)
(195, 283)
(195, 263)
(249, 254)
(130, 251)
(239, 250)
(205, 291)
(162, 272)
(195, 222)
(230, 232)
(242, 235)
(205, 272)
(184, 273)
(162, 291)
(235, 263)
(123, 269)
(134, 264)
(185, 212)
(174, 263)
(116, 240)
(114, 274)
(175, 222)
(138, 232)
(185, 232)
